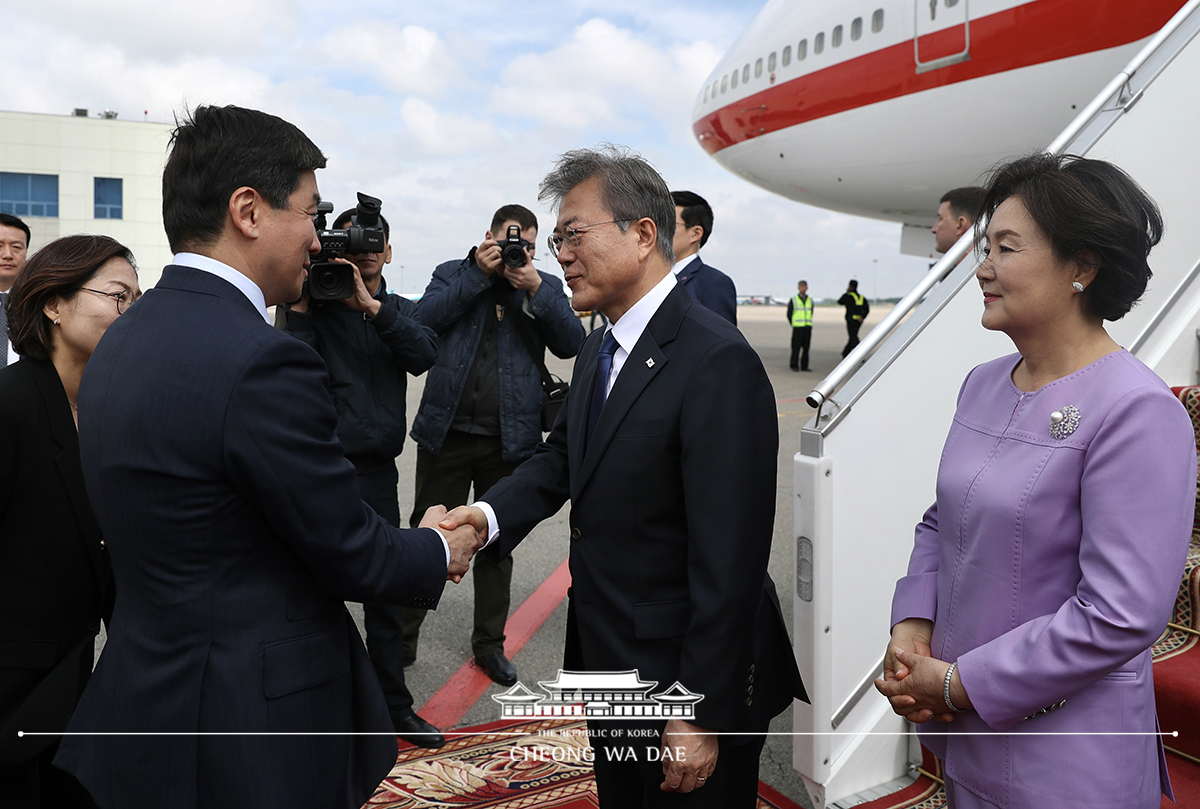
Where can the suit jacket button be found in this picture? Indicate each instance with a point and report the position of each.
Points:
(749, 690)
(751, 668)
(749, 701)
(576, 533)
(102, 545)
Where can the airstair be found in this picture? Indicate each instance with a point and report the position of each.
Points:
(868, 460)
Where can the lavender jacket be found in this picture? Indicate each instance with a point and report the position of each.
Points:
(1049, 565)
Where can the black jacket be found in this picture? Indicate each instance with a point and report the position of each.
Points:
(367, 362)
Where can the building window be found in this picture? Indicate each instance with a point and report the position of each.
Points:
(29, 194)
(771, 62)
(108, 198)
(787, 56)
(856, 29)
(877, 21)
(802, 50)
(819, 42)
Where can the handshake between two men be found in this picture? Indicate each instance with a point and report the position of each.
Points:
(465, 530)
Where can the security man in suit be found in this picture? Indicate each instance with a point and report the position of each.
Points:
(667, 450)
(14, 249)
(231, 514)
(707, 284)
(799, 314)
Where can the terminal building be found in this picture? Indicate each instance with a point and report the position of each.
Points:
(81, 173)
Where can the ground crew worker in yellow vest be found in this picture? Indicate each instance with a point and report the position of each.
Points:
(800, 316)
(856, 312)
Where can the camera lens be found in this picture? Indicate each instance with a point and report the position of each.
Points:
(513, 255)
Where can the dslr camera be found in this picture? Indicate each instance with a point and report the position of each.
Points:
(512, 248)
(332, 281)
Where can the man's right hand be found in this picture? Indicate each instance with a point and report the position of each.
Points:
(467, 515)
(463, 541)
(488, 255)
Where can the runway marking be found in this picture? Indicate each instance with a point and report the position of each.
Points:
(464, 688)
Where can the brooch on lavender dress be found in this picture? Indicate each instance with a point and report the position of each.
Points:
(1064, 421)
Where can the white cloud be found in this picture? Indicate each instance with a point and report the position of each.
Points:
(407, 59)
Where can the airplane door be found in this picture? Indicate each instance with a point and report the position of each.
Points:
(943, 33)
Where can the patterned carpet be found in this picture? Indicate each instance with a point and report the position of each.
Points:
(537, 763)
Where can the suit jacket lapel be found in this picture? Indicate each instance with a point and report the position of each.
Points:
(579, 401)
(647, 359)
(62, 430)
(689, 272)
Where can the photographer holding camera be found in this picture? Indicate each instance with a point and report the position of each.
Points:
(369, 340)
(480, 414)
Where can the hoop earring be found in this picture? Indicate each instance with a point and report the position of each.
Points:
(1078, 287)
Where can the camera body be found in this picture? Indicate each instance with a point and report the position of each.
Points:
(333, 281)
(512, 248)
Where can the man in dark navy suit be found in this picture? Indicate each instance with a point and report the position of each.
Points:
(231, 513)
(693, 226)
(667, 450)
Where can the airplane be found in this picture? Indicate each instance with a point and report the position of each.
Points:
(877, 107)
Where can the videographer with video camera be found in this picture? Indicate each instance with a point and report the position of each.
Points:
(370, 341)
(481, 412)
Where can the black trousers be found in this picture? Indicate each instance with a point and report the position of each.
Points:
(852, 327)
(465, 461)
(801, 337)
(625, 781)
(384, 623)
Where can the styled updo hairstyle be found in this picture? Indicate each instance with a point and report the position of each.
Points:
(1091, 211)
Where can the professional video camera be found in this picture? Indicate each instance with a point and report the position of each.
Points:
(512, 248)
(333, 281)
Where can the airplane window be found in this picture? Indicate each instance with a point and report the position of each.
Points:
(837, 35)
(856, 28)
(771, 63)
(758, 69)
(733, 79)
(746, 73)
(877, 21)
(787, 56)
(802, 50)
(724, 80)
(819, 42)
(706, 92)
(951, 3)
(714, 89)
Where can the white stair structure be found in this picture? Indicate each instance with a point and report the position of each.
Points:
(867, 463)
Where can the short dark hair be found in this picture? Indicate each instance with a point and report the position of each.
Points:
(14, 222)
(696, 211)
(60, 268)
(1092, 212)
(853, 284)
(345, 217)
(630, 188)
(967, 201)
(217, 150)
(513, 213)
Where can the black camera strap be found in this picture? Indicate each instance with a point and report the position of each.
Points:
(538, 359)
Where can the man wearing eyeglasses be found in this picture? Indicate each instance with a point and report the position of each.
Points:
(480, 413)
(667, 450)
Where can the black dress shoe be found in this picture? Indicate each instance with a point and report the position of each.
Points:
(413, 728)
(498, 668)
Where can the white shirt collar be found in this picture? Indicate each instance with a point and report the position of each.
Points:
(628, 330)
(683, 262)
(226, 273)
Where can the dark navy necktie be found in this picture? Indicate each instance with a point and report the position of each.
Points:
(608, 347)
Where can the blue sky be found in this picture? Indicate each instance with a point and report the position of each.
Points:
(448, 109)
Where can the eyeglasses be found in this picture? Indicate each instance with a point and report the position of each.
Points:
(123, 298)
(572, 234)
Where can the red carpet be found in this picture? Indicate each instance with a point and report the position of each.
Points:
(924, 793)
(505, 764)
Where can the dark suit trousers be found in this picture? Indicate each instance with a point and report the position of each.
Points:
(801, 337)
(465, 461)
(852, 327)
(622, 783)
(385, 626)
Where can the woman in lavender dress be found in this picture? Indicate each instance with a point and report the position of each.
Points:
(1051, 559)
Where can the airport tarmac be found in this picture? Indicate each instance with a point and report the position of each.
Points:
(445, 645)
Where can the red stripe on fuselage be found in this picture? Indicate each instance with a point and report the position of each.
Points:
(1030, 34)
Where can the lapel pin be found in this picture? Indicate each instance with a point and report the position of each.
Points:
(650, 362)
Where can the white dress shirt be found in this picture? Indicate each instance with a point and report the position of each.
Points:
(683, 262)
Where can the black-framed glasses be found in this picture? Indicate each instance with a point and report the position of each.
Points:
(572, 234)
(123, 298)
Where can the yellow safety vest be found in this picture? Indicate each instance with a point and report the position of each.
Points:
(858, 302)
(801, 311)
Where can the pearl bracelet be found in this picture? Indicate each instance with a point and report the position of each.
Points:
(946, 688)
